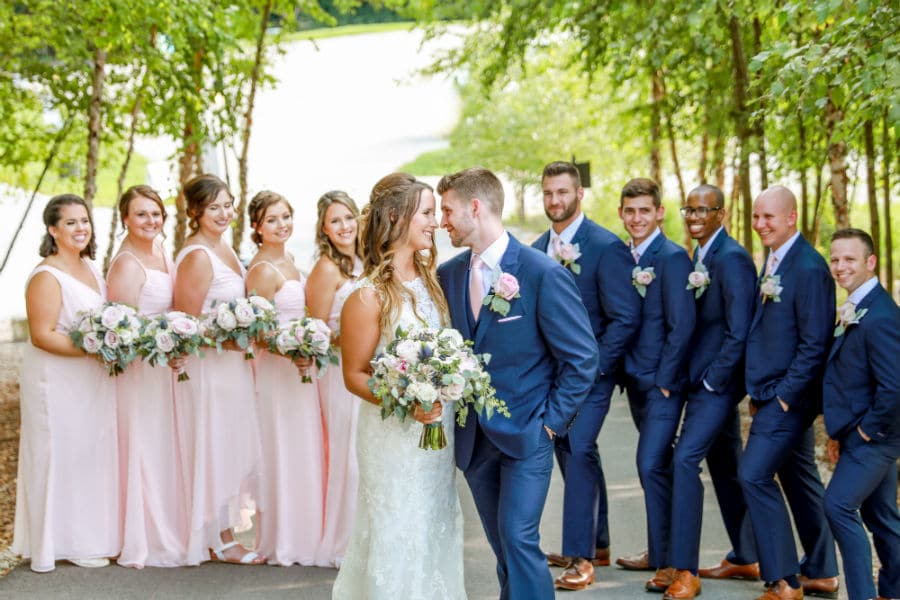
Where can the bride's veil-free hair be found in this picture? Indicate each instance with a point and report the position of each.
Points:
(383, 229)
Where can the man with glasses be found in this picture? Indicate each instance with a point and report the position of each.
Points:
(723, 282)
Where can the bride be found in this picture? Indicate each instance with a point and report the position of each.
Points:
(407, 536)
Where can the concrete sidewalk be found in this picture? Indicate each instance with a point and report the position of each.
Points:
(228, 581)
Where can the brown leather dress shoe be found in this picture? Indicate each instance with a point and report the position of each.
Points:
(826, 587)
(601, 559)
(780, 590)
(635, 562)
(729, 570)
(577, 577)
(661, 580)
(685, 586)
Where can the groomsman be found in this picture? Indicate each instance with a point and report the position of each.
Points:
(786, 350)
(600, 263)
(723, 282)
(523, 309)
(861, 394)
(655, 377)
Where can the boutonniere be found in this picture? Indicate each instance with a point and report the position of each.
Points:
(698, 279)
(847, 316)
(504, 288)
(641, 278)
(771, 288)
(567, 255)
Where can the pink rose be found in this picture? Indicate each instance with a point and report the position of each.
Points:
(847, 313)
(697, 279)
(111, 339)
(91, 343)
(111, 315)
(403, 366)
(643, 278)
(507, 286)
(185, 326)
(569, 252)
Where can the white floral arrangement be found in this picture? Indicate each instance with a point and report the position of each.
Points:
(305, 338)
(110, 333)
(242, 320)
(171, 336)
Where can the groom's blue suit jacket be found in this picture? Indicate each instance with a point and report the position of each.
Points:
(543, 352)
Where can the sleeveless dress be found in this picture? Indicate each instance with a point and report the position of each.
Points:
(67, 500)
(293, 469)
(407, 537)
(339, 413)
(155, 518)
(218, 430)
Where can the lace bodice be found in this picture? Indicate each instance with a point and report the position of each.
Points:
(424, 314)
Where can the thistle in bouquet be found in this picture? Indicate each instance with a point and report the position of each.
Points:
(110, 333)
(241, 321)
(424, 366)
(305, 338)
(171, 336)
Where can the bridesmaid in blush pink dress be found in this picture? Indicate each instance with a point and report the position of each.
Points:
(155, 516)
(67, 499)
(215, 412)
(292, 483)
(330, 282)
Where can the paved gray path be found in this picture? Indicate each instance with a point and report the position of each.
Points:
(226, 581)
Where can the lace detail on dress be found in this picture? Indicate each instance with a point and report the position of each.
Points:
(407, 538)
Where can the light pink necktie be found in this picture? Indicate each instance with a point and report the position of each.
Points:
(556, 246)
(476, 285)
(636, 255)
(770, 263)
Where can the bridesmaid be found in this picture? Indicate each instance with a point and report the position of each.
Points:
(67, 502)
(215, 414)
(292, 481)
(330, 282)
(140, 274)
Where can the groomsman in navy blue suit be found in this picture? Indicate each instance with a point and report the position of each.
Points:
(723, 282)
(523, 308)
(861, 396)
(600, 262)
(786, 350)
(655, 376)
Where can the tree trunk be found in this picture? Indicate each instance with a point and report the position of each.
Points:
(874, 225)
(519, 185)
(837, 155)
(804, 191)
(887, 257)
(673, 149)
(655, 126)
(189, 163)
(734, 213)
(761, 124)
(817, 211)
(719, 160)
(94, 126)
(704, 146)
(741, 80)
(248, 124)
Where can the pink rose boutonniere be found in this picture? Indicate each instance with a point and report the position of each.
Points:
(771, 288)
(698, 280)
(504, 288)
(567, 255)
(641, 278)
(847, 316)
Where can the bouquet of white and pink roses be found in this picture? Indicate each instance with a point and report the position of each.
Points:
(171, 336)
(305, 338)
(432, 365)
(242, 321)
(110, 332)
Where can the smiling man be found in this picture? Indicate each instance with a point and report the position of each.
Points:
(861, 396)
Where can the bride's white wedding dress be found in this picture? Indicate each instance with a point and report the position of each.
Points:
(407, 539)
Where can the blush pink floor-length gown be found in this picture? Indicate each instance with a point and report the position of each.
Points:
(67, 499)
(291, 500)
(218, 430)
(155, 518)
(340, 410)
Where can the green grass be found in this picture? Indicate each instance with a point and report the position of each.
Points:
(54, 183)
(434, 162)
(328, 32)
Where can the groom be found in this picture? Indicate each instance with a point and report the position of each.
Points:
(523, 308)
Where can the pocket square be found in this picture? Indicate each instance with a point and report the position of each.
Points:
(506, 319)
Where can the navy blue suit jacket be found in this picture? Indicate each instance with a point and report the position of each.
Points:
(614, 309)
(543, 354)
(789, 340)
(668, 314)
(724, 312)
(861, 386)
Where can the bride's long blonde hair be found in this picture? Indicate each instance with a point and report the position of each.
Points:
(384, 228)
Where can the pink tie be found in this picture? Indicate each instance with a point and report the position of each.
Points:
(476, 285)
(770, 263)
(636, 255)
(556, 246)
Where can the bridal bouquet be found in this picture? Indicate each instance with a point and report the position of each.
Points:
(110, 332)
(305, 338)
(428, 366)
(171, 336)
(241, 320)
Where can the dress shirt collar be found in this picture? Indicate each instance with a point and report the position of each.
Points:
(782, 252)
(862, 291)
(705, 247)
(646, 243)
(493, 253)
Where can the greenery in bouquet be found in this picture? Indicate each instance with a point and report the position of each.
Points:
(110, 333)
(242, 321)
(425, 366)
(305, 338)
(171, 336)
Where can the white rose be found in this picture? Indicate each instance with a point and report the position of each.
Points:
(111, 339)
(126, 336)
(319, 342)
(452, 392)
(184, 326)
(261, 303)
(697, 279)
(770, 288)
(643, 278)
(468, 363)
(846, 313)
(286, 342)
(112, 315)
(408, 350)
(164, 342)
(225, 319)
(319, 326)
(451, 337)
(86, 324)
(91, 343)
(422, 391)
(244, 314)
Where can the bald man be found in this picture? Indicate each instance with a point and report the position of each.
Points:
(790, 333)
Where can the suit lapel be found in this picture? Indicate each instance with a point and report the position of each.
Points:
(863, 304)
(580, 236)
(649, 256)
(509, 263)
(543, 242)
(458, 296)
